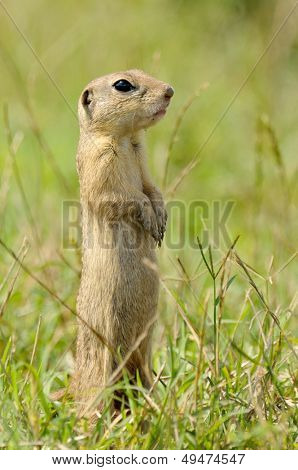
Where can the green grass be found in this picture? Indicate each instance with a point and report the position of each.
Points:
(224, 348)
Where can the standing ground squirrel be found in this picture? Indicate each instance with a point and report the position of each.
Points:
(123, 218)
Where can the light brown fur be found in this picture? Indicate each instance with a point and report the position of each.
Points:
(123, 217)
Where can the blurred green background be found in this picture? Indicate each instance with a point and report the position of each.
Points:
(250, 158)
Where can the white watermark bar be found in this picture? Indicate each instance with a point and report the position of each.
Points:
(172, 459)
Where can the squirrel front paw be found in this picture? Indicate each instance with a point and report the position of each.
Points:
(161, 218)
(146, 216)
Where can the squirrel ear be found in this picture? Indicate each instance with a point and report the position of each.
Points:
(87, 97)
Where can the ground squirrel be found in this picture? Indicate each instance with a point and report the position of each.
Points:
(123, 218)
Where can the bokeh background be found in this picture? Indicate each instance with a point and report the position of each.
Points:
(235, 79)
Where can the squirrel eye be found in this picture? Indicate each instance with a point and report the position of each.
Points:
(123, 85)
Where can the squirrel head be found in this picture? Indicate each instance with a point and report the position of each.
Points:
(122, 103)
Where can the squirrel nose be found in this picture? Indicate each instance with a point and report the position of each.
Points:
(169, 92)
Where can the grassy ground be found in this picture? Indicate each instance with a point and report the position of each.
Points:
(224, 354)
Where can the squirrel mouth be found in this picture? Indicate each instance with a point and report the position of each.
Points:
(159, 113)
